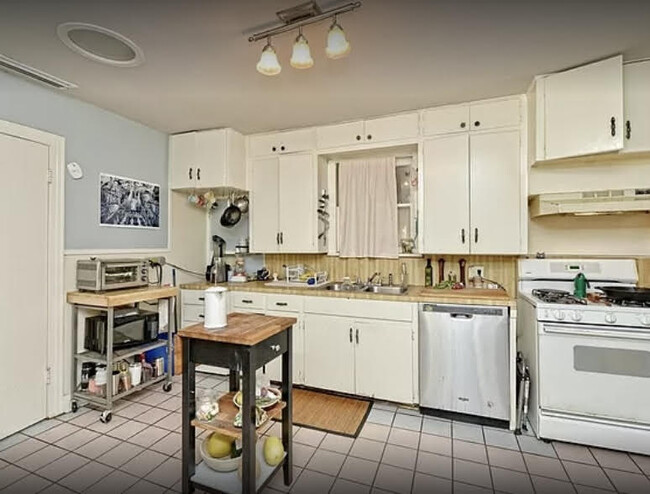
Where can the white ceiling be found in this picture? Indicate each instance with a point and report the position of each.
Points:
(199, 69)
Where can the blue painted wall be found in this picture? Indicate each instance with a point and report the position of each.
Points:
(101, 142)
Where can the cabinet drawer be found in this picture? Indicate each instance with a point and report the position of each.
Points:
(405, 126)
(247, 300)
(289, 303)
(445, 120)
(495, 114)
(193, 313)
(346, 134)
(359, 308)
(192, 297)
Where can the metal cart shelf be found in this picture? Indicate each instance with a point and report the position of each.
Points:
(108, 302)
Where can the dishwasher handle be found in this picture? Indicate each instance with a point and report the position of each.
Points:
(464, 311)
(459, 315)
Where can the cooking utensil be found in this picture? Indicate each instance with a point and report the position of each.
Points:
(242, 204)
(441, 270)
(626, 293)
(231, 215)
(461, 264)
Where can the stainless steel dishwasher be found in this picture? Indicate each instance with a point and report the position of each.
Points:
(464, 359)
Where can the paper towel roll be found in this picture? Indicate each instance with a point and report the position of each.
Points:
(215, 307)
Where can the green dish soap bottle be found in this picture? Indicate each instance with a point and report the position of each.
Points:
(428, 274)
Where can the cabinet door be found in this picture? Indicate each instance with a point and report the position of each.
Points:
(297, 203)
(445, 120)
(636, 77)
(297, 140)
(274, 368)
(235, 159)
(384, 360)
(583, 110)
(405, 126)
(446, 195)
(211, 158)
(495, 178)
(182, 160)
(329, 353)
(346, 134)
(264, 205)
(263, 145)
(495, 114)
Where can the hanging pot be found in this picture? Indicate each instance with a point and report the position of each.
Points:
(231, 215)
(242, 204)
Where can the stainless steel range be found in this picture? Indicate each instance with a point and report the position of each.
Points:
(589, 357)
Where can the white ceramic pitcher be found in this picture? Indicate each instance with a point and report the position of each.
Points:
(215, 307)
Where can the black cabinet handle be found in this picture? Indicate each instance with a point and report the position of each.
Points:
(350, 335)
(246, 301)
(201, 316)
(357, 335)
(281, 304)
(612, 126)
(190, 174)
(281, 238)
(358, 138)
(462, 235)
(201, 298)
(477, 124)
(475, 235)
(369, 136)
(281, 148)
(463, 125)
(277, 238)
(198, 174)
(274, 149)
(628, 129)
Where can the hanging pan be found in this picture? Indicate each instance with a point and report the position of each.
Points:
(231, 215)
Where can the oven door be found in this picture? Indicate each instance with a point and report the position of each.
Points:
(595, 371)
(125, 275)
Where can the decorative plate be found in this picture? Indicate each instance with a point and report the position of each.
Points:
(260, 418)
(273, 396)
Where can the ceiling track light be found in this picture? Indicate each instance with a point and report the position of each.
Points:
(297, 17)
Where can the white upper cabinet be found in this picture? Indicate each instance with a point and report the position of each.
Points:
(445, 219)
(339, 135)
(292, 141)
(580, 111)
(495, 193)
(207, 159)
(265, 205)
(636, 78)
(445, 120)
(396, 127)
(495, 114)
(385, 129)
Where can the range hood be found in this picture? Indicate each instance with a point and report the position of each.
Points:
(590, 203)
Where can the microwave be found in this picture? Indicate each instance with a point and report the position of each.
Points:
(131, 327)
(98, 275)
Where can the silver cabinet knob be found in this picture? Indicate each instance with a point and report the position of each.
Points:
(275, 348)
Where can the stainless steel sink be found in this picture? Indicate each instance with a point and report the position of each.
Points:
(388, 290)
(343, 287)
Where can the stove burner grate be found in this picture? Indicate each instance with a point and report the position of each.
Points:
(558, 297)
(629, 303)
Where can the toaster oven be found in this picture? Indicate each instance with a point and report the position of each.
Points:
(98, 275)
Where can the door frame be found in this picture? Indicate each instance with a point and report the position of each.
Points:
(55, 403)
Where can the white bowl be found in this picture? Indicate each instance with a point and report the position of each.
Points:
(226, 464)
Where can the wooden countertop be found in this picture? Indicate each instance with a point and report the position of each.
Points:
(468, 296)
(242, 329)
(121, 297)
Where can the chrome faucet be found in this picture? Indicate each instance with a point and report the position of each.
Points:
(372, 278)
(405, 277)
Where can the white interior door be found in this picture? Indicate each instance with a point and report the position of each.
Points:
(23, 295)
(446, 195)
(297, 203)
(579, 107)
(264, 206)
(495, 193)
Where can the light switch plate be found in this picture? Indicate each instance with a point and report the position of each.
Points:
(472, 271)
(75, 170)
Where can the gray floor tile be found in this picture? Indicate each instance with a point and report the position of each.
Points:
(433, 464)
(359, 470)
(435, 444)
(339, 444)
(399, 456)
(511, 481)
(10, 475)
(311, 482)
(463, 488)
(469, 451)
(62, 467)
(40, 427)
(500, 439)
(436, 427)
(427, 484)
(530, 444)
(114, 482)
(384, 405)
(171, 422)
(81, 479)
(102, 428)
(615, 459)
(152, 415)
(327, 462)
(543, 466)
(28, 484)
(402, 437)
(342, 486)
(148, 436)
(367, 449)
(142, 464)
(98, 447)
(384, 417)
(643, 462)
(302, 454)
(506, 458)
(57, 433)
(588, 475)
(277, 482)
(376, 432)
(22, 449)
(12, 440)
(169, 444)
(133, 410)
(145, 487)
(467, 432)
(120, 454)
(394, 479)
(167, 474)
(627, 482)
(77, 439)
(574, 452)
(172, 404)
(85, 419)
(472, 473)
(309, 437)
(59, 489)
(41, 457)
(407, 410)
(409, 422)
(127, 430)
(544, 485)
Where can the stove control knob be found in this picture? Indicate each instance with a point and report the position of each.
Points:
(610, 318)
(576, 316)
(559, 315)
(645, 320)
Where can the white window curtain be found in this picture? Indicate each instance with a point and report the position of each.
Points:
(368, 208)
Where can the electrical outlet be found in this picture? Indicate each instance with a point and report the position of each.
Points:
(474, 271)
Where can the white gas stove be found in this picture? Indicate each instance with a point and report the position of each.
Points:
(589, 358)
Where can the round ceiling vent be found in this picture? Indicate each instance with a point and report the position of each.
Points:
(100, 44)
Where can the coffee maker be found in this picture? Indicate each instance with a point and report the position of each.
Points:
(217, 272)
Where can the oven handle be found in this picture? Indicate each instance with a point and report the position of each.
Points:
(601, 331)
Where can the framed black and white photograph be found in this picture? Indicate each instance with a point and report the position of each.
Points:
(127, 202)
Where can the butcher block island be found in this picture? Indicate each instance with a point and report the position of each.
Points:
(245, 344)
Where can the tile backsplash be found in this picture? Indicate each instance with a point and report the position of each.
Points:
(502, 269)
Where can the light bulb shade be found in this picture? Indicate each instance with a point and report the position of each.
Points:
(337, 45)
(268, 64)
(301, 56)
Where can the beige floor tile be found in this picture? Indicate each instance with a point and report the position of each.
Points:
(309, 437)
(80, 480)
(342, 486)
(405, 438)
(24, 448)
(394, 479)
(426, 484)
(574, 452)
(167, 474)
(463, 488)
(643, 462)
(327, 462)
(435, 444)
(302, 454)
(62, 467)
(367, 449)
(77, 439)
(142, 464)
(120, 454)
(617, 460)
(544, 485)
(545, 467)
(359, 470)
(433, 464)
(399, 456)
(589, 475)
(506, 458)
(28, 484)
(469, 451)
(629, 483)
(98, 447)
(339, 444)
(511, 481)
(148, 436)
(472, 473)
(169, 444)
(312, 482)
(41, 458)
(376, 432)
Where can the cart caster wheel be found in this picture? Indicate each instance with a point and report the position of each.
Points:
(74, 407)
(105, 417)
(547, 441)
(517, 432)
(167, 387)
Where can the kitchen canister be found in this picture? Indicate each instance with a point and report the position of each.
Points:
(215, 307)
(135, 370)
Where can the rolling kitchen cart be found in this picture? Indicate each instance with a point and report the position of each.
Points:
(108, 302)
(248, 342)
